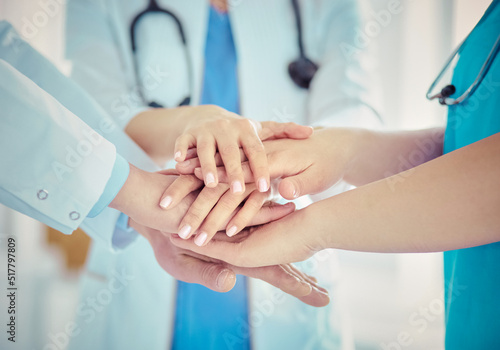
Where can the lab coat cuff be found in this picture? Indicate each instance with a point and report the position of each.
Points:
(119, 175)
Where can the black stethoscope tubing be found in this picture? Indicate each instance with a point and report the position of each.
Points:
(301, 70)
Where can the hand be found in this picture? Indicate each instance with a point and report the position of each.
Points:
(214, 207)
(293, 238)
(140, 195)
(214, 128)
(307, 166)
(190, 267)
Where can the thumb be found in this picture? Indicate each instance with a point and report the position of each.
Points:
(304, 183)
(274, 130)
(211, 275)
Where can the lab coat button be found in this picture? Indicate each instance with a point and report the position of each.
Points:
(42, 194)
(74, 215)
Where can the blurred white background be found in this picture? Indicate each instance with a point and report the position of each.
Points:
(382, 291)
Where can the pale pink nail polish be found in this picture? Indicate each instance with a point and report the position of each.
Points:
(209, 179)
(177, 155)
(232, 231)
(263, 186)
(165, 202)
(200, 239)
(184, 232)
(237, 187)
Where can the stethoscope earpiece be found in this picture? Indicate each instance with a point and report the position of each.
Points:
(302, 71)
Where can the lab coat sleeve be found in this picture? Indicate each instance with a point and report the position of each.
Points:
(54, 166)
(98, 64)
(55, 86)
(341, 93)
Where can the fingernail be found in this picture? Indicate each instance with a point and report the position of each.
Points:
(209, 179)
(263, 186)
(232, 231)
(184, 232)
(165, 202)
(200, 239)
(221, 279)
(237, 187)
(177, 155)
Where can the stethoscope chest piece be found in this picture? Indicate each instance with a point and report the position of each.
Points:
(302, 71)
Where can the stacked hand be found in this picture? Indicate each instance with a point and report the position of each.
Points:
(164, 204)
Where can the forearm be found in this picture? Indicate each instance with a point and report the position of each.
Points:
(156, 130)
(377, 155)
(449, 203)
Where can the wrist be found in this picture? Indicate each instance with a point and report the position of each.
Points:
(355, 143)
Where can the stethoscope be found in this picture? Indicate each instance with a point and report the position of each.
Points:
(444, 95)
(301, 70)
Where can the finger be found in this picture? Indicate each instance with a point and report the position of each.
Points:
(275, 243)
(318, 296)
(305, 182)
(216, 277)
(192, 153)
(312, 280)
(279, 277)
(178, 190)
(182, 144)
(274, 130)
(230, 154)
(199, 210)
(250, 209)
(218, 217)
(168, 172)
(188, 166)
(223, 178)
(271, 213)
(206, 154)
(257, 158)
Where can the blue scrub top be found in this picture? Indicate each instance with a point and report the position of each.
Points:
(472, 276)
(205, 319)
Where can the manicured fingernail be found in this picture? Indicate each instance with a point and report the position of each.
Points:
(184, 232)
(209, 179)
(232, 231)
(177, 155)
(200, 239)
(221, 279)
(165, 202)
(237, 187)
(263, 186)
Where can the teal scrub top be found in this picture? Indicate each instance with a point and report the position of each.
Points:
(472, 276)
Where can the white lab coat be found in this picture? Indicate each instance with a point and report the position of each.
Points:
(54, 165)
(141, 315)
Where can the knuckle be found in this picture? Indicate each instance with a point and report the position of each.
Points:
(194, 216)
(255, 203)
(230, 149)
(204, 145)
(222, 124)
(227, 203)
(209, 274)
(254, 148)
